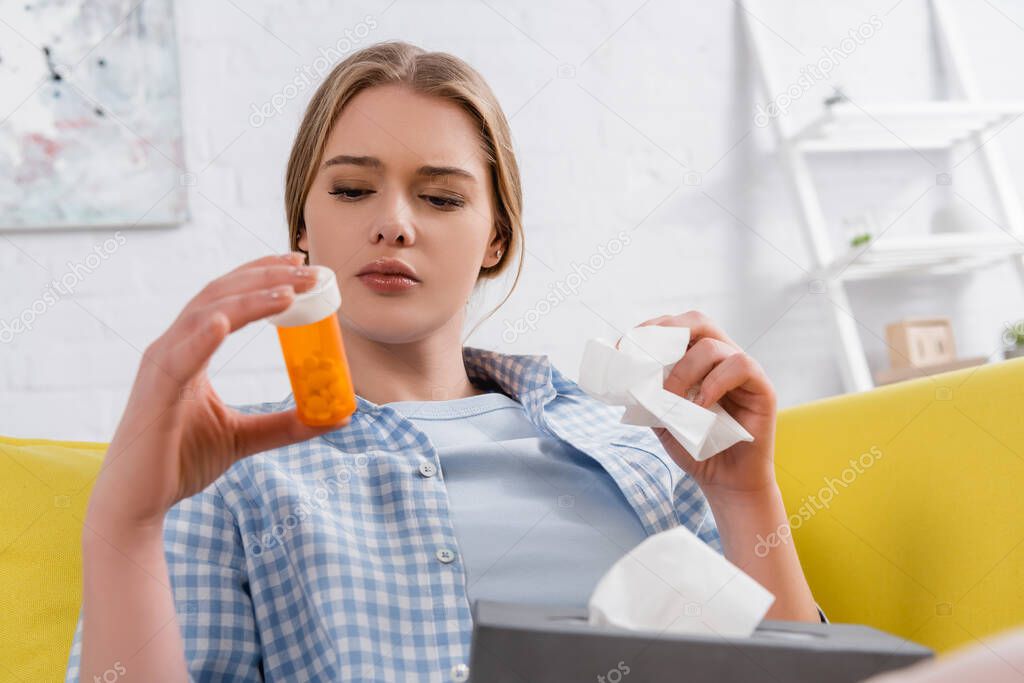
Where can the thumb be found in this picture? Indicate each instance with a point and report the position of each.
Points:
(675, 449)
(258, 433)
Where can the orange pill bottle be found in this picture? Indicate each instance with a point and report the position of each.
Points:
(314, 354)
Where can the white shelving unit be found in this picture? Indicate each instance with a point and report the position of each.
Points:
(849, 127)
(940, 254)
(846, 126)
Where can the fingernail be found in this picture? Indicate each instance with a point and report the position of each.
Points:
(304, 272)
(278, 292)
(700, 398)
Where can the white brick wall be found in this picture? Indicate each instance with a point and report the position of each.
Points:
(598, 153)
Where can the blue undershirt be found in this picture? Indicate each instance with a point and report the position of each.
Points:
(537, 520)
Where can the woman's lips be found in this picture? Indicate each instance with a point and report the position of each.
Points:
(387, 283)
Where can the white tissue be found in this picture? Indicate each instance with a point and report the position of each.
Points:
(673, 582)
(634, 374)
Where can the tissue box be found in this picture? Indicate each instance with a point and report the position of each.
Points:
(541, 644)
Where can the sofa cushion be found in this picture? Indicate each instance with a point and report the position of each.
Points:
(46, 486)
(922, 535)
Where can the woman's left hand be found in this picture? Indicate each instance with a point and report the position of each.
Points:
(724, 373)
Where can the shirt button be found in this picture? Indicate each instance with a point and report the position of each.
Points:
(427, 469)
(444, 555)
(460, 672)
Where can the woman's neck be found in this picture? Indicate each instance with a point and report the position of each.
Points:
(430, 369)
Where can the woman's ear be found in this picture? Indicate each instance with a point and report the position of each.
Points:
(303, 241)
(495, 250)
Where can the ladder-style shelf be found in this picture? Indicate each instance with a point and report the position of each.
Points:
(941, 254)
(846, 126)
(862, 127)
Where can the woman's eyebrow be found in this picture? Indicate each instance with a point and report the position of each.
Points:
(375, 163)
(444, 171)
(369, 162)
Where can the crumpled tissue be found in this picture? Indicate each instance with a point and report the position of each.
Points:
(673, 582)
(632, 374)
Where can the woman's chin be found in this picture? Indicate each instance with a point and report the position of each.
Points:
(387, 324)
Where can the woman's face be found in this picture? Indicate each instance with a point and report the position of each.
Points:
(403, 176)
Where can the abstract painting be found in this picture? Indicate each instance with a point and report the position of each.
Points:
(90, 115)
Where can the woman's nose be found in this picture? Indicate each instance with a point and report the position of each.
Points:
(394, 228)
(393, 234)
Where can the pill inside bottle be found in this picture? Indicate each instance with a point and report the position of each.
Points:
(311, 342)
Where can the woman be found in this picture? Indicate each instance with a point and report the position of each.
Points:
(354, 551)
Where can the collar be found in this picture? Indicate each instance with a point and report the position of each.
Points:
(529, 379)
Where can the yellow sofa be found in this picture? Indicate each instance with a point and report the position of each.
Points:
(922, 534)
(46, 487)
(927, 540)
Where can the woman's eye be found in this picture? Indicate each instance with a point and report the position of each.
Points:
(448, 203)
(348, 193)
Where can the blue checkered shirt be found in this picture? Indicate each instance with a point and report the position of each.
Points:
(326, 560)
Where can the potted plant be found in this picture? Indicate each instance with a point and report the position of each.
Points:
(1014, 338)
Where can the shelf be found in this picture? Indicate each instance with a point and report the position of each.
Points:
(938, 254)
(846, 127)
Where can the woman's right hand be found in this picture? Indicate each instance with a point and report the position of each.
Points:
(176, 436)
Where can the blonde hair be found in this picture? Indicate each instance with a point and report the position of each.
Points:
(429, 73)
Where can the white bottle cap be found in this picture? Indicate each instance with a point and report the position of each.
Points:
(313, 305)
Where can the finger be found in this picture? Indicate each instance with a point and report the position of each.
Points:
(216, 288)
(671, 444)
(696, 363)
(258, 433)
(292, 258)
(186, 358)
(737, 371)
(241, 309)
(255, 278)
(157, 354)
(700, 326)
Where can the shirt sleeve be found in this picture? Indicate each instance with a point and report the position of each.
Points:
(206, 563)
